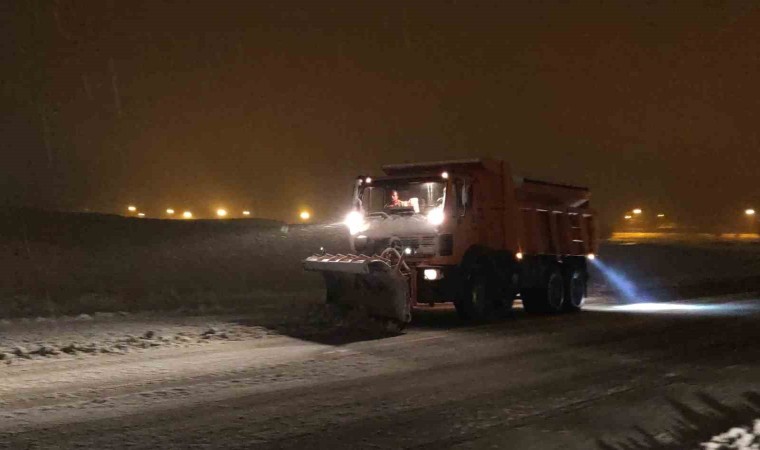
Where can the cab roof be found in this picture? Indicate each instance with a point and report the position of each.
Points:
(425, 167)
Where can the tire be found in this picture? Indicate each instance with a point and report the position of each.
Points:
(476, 300)
(575, 290)
(549, 297)
(504, 297)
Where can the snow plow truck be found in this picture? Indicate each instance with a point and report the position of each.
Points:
(467, 232)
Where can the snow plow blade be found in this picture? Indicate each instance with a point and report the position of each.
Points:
(377, 284)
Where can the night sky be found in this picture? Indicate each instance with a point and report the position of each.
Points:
(272, 106)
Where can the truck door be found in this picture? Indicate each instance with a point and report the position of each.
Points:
(482, 214)
(465, 215)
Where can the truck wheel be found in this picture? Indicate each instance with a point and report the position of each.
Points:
(507, 295)
(476, 300)
(547, 298)
(575, 290)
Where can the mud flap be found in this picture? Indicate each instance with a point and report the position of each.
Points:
(366, 283)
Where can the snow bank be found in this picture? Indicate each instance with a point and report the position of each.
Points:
(65, 337)
(739, 438)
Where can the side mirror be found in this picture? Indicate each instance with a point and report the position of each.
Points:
(355, 197)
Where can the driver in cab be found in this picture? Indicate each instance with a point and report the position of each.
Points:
(395, 202)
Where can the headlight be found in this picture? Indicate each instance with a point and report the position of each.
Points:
(435, 216)
(432, 274)
(355, 222)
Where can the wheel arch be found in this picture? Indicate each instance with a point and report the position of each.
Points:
(476, 257)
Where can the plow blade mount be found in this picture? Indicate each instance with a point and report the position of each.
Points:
(372, 283)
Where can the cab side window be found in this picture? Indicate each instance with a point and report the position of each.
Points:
(463, 190)
(469, 195)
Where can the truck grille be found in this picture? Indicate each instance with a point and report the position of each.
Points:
(420, 245)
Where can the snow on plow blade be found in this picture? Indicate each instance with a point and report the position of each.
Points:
(372, 283)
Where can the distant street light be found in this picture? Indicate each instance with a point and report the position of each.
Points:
(660, 215)
(170, 211)
(132, 208)
(627, 217)
(637, 211)
(221, 212)
(140, 214)
(187, 215)
(305, 215)
(749, 212)
(246, 213)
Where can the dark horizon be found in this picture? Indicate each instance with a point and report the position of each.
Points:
(273, 108)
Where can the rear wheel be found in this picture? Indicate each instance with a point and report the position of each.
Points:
(575, 290)
(549, 296)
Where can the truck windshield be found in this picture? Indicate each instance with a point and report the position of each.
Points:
(403, 197)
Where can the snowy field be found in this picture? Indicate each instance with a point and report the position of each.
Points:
(68, 264)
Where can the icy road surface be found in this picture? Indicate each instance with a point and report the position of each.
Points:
(669, 378)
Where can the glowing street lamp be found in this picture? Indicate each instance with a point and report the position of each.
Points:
(627, 217)
(305, 215)
(749, 212)
(221, 212)
(637, 211)
(187, 215)
(170, 211)
(140, 214)
(132, 208)
(246, 213)
(660, 216)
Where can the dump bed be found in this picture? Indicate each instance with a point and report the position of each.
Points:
(556, 218)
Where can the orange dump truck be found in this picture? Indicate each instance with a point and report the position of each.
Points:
(467, 232)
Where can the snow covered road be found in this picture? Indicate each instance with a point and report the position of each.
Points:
(589, 380)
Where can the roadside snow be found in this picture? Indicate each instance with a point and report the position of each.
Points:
(741, 438)
(113, 334)
(107, 333)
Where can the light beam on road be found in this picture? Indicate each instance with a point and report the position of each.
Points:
(619, 281)
(736, 308)
(654, 307)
